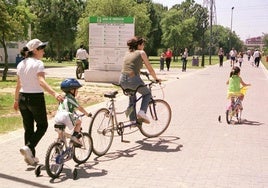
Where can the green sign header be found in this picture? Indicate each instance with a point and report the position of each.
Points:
(111, 20)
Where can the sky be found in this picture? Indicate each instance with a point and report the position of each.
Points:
(249, 18)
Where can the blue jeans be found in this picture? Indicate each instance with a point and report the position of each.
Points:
(132, 83)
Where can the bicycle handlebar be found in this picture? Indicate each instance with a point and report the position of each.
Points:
(81, 115)
(145, 73)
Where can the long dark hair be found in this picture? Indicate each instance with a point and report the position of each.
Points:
(235, 71)
(134, 42)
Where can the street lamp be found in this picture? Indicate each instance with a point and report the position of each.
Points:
(231, 26)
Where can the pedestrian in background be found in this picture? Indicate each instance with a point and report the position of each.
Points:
(29, 97)
(221, 54)
(257, 57)
(233, 54)
(240, 58)
(184, 60)
(168, 56)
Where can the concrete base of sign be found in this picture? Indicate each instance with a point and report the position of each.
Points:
(101, 76)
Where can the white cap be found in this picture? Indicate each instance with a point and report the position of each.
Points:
(35, 43)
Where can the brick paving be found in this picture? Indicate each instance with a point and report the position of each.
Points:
(196, 151)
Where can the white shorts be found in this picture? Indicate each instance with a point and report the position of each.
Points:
(64, 118)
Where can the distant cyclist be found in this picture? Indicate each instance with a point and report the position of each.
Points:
(82, 55)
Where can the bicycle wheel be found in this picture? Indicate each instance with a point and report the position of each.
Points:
(79, 72)
(81, 154)
(159, 113)
(54, 162)
(101, 131)
(228, 116)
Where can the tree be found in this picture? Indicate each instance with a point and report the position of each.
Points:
(179, 26)
(15, 18)
(156, 12)
(57, 23)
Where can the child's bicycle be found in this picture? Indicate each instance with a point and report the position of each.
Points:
(64, 149)
(105, 121)
(234, 110)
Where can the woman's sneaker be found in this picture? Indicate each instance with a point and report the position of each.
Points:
(28, 156)
(141, 115)
(76, 141)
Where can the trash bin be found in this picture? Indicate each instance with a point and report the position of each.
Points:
(18, 59)
(195, 61)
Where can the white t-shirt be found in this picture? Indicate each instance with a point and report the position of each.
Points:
(256, 54)
(81, 54)
(27, 70)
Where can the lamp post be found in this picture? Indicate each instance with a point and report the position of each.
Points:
(232, 10)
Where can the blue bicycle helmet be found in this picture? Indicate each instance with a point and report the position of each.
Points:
(69, 84)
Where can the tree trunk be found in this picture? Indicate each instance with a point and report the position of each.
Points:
(4, 76)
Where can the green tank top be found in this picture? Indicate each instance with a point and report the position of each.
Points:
(132, 62)
(234, 84)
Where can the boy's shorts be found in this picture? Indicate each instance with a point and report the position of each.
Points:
(64, 118)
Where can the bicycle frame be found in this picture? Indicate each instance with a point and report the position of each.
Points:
(105, 120)
(234, 110)
(119, 126)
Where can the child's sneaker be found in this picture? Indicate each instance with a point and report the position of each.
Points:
(141, 115)
(28, 156)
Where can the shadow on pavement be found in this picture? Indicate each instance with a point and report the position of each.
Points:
(252, 123)
(24, 181)
(160, 144)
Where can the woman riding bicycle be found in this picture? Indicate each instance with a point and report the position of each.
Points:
(234, 89)
(130, 75)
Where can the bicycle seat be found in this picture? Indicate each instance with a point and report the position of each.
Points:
(111, 94)
(59, 126)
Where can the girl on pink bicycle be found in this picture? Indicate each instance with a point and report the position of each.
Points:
(234, 88)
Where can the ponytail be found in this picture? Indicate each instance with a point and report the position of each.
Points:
(25, 52)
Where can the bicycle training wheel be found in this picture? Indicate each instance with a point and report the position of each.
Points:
(101, 131)
(79, 72)
(54, 160)
(81, 154)
(159, 113)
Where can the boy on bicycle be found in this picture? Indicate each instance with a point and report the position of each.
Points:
(66, 110)
(234, 82)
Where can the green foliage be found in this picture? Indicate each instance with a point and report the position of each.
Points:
(15, 18)
(182, 26)
(57, 23)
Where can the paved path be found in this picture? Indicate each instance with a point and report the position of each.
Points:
(196, 151)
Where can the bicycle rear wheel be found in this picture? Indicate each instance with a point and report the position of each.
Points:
(54, 160)
(79, 71)
(81, 154)
(159, 113)
(229, 116)
(101, 131)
